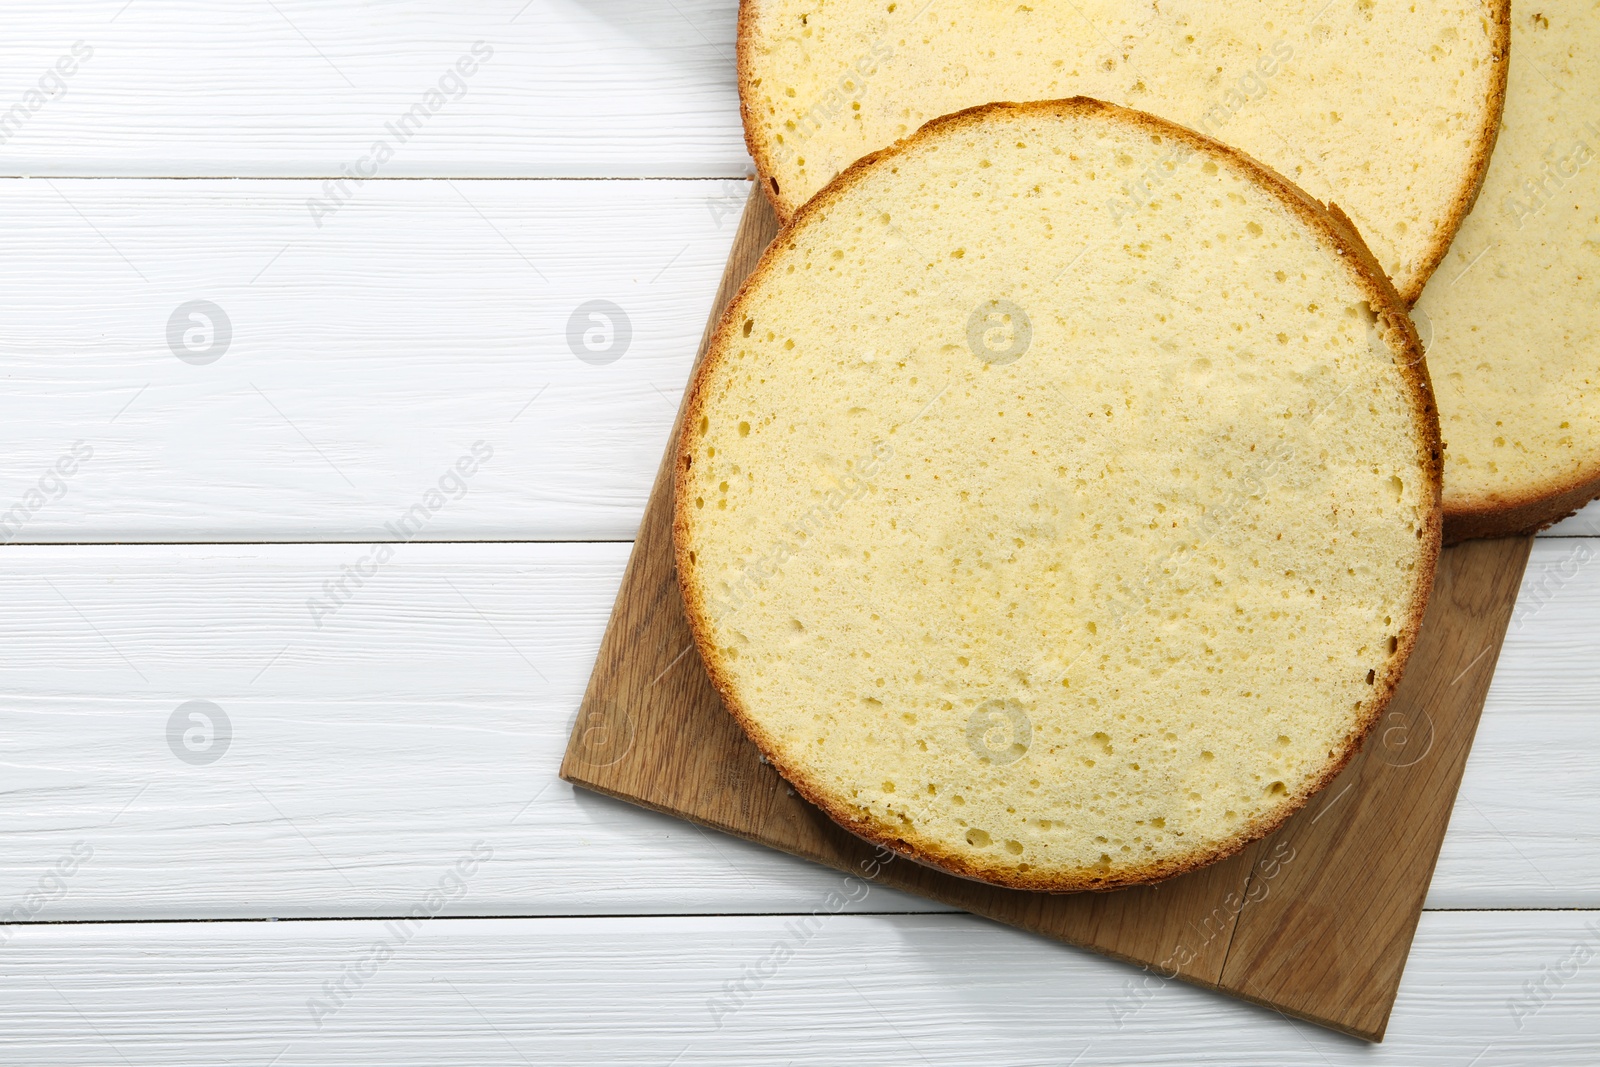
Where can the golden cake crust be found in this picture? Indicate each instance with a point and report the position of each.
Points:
(1499, 515)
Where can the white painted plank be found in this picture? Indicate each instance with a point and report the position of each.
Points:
(430, 711)
(365, 357)
(892, 990)
(427, 711)
(305, 88)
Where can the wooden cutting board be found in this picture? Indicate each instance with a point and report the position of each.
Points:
(1314, 921)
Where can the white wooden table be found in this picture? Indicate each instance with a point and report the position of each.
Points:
(191, 509)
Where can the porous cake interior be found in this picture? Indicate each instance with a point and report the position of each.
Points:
(1515, 312)
(1382, 106)
(1062, 549)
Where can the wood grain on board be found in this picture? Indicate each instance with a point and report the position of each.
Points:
(1315, 921)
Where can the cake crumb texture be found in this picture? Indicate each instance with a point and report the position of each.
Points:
(1055, 549)
(1388, 108)
(1513, 317)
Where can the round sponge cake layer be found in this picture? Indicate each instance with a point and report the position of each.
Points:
(1388, 108)
(1514, 316)
(1055, 547)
